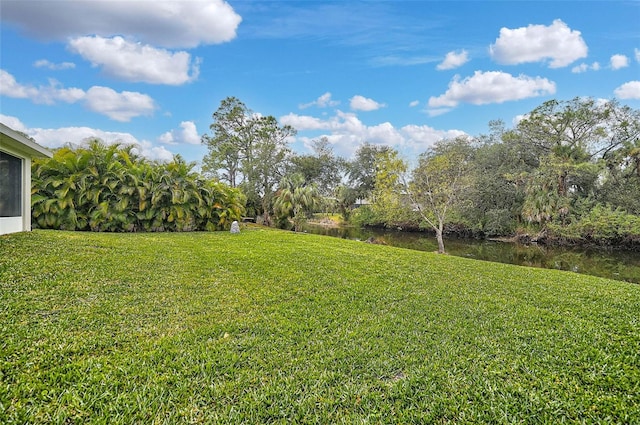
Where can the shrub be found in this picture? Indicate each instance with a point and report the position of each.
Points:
(109, 188)
(603, 225)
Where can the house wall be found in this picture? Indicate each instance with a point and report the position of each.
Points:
(23, 222)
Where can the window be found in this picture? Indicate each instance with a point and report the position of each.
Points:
(10, 185)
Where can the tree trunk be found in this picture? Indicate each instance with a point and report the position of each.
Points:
(440, 240)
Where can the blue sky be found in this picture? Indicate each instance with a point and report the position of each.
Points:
(399, 73)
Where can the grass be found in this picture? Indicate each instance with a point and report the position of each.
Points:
(274, 327)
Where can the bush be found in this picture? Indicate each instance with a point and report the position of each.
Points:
(499, 222)
(603, 225)
(365, 216)
(110, 189)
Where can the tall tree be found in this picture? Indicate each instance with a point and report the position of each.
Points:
(249, 150)
(440, 181)
(570, 128)
(321, 168)
(621, 181)
(362, 169)
(264, 162)
(232, 130)
(390, 203)
(496, 201)
(571, 137)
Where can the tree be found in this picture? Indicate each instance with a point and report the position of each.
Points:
(264, 163)
(391, 205)
(294, 199)
(361, 171)
(440, 181)
(345, 198)
(573, 128)
(232, 136)
(250, 151)
(321, 168)
(495, 198)
(572, 138)
(621, 181)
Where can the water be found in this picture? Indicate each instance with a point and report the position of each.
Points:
(617, 264)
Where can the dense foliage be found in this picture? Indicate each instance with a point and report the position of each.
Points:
(568, 172)
(248, 151)
(553, 176)
(272, 327)
(295, 200)
(109, 188)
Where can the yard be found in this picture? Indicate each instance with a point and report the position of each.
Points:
(271, 326)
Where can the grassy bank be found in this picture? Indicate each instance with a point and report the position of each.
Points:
(275, 327)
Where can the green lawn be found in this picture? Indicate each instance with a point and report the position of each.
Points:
(274, 327)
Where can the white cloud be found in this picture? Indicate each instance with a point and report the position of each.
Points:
(54, 92)
(167, 138)
(453, 60)
(303, 122)
(535, 43)
(122, 106)
(619, 61)
(414, 103)
(346, 132)
(13, 123)
(583, 67)
(421, 137)
(11, 88)
(47, 95)
(189, 133)
(630, 90)
(323, 101)
(58, 137)
(173, 24)
(491, 87)
(186, 134)
(434, 112)
(156, 153)
(43, 63)
(637, 54)
(361, 103)
(136, 62)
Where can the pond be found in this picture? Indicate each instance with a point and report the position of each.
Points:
(616, 264)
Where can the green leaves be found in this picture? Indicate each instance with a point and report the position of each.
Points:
(295, 199)
(440, 181)
(247, 150)
(108, 188)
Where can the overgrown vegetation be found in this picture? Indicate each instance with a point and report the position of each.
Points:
(561, 166)
(542, 177)
(109, 188)
(278, 327)
(553, 177)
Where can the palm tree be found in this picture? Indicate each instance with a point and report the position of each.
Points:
(59, 190)
(103, 187)
(222, 205)
(294, 199)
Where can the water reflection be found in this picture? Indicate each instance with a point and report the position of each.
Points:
(620, 265)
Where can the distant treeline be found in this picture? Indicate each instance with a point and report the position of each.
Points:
(567, 172)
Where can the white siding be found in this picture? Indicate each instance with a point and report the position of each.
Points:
(23, 222)
(17, 145)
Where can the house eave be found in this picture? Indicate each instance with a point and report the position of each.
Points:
(18, 143)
